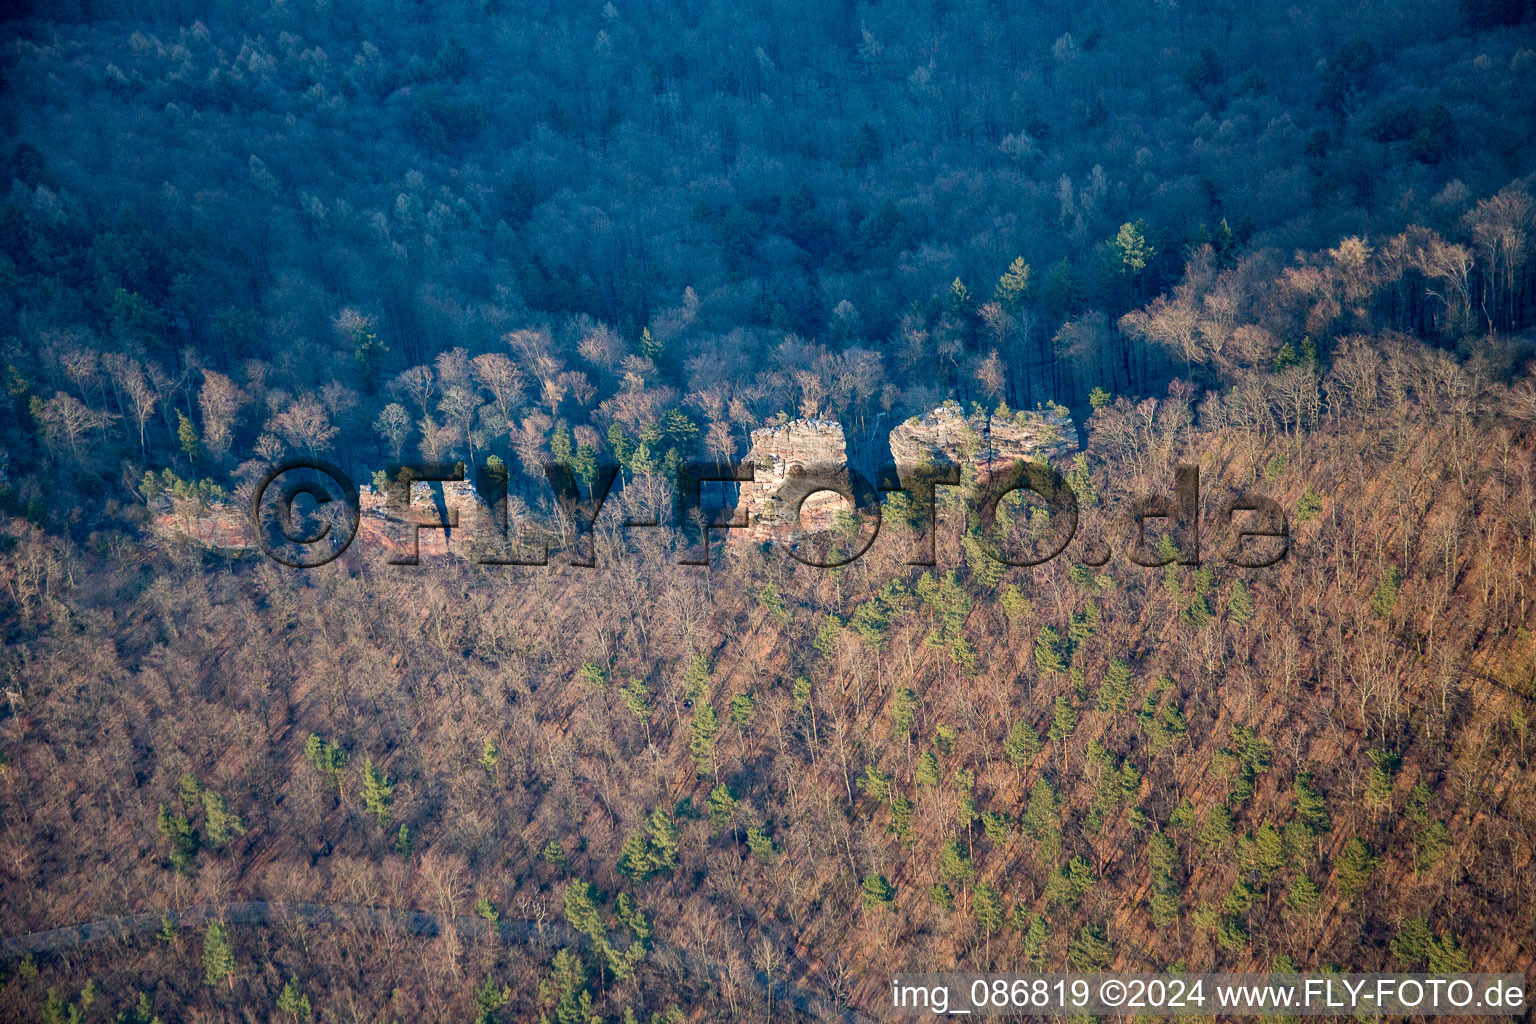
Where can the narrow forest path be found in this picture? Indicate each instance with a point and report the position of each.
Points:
(413, 922)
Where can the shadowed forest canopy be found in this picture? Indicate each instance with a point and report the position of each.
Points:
(455, 171)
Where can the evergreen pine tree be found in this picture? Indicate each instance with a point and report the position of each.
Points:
(742, 708)
(1354, 868)
(637, 698)
(987, 905)
(1116, 689)
(186, 436)
(1090, 951)
(1021, 745)
(1048, 657)
(223, 823)
(293, 1002)
(1063, 720)
(955, 864)
(722, 808)
(878, 892)
(927, 771)
(1013, 286)
(1239, 604)
(1035, 938)
(1303, 893)
(377, 791)
(182, 836)
(761, 844)
(635, 858)
(702, 743)
(329, 760)
(903, 711)
(664, 836)
(218, 958)
(1042, 819)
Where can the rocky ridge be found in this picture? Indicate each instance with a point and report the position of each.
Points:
(944, 435)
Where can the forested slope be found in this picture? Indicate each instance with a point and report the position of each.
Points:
(1127, 765)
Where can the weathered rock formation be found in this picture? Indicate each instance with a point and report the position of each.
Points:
(224, 524)
(948, 436)
(779, 454)
(221, 524)
(378, 526)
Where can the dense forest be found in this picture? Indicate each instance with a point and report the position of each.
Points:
(1291, 245)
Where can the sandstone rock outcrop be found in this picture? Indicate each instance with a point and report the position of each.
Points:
(780, 453)
(224, 524)
(947, 436)
(220, 524)
(379, 527)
